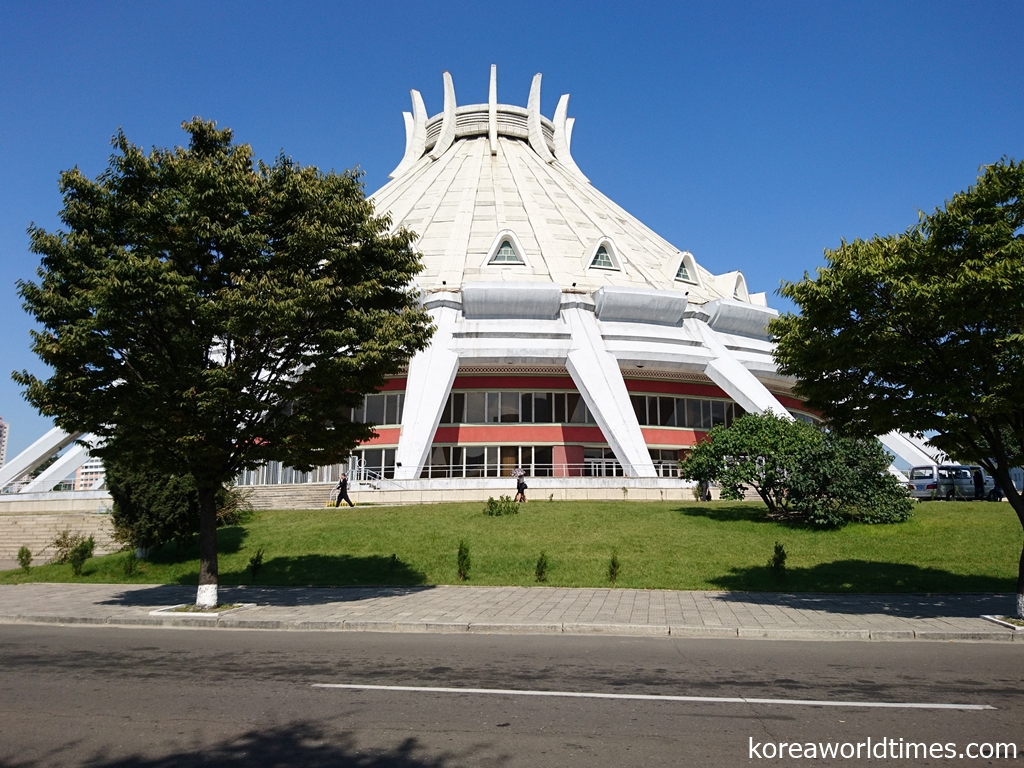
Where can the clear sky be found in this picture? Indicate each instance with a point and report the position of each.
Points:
(752, 134)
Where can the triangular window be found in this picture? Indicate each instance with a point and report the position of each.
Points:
(602, 259)
(506, 254)
(683, 273)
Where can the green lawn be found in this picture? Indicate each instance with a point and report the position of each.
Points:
(946, 547)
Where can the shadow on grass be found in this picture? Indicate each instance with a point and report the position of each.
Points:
(323, 578)
(331, 570)
(298, 745)
(728, 512)
(861, 576)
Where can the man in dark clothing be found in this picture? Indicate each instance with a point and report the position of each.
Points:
(342, 489)
(979, 485)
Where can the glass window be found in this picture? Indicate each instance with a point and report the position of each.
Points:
(683, 273)
(640, 408)
(526, 458)
(576, 408)
(391, 409)
(506, 254)
(717, 412)
(458, 408)
(602, 259)
(375, 409)
(667, 411)
(509, 407)
(457, 456)
(527, 407)
(492, 461)
(543, 464)
(922, 473)
(476, 407)
(493, 407)
(559, 409)
(474, 461)
(509, 459)
(542, 407)
(681, 412)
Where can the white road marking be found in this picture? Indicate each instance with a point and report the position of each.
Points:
(655, 697)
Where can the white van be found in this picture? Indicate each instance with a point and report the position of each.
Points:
(949, 482)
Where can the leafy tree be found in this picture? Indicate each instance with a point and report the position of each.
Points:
(924, 331)
(204, 313)
(152, 508)
(802, 473)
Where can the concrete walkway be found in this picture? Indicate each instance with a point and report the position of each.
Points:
(533, 610)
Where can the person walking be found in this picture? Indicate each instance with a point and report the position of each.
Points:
(342, 489)
(979, 485)
(521, 489)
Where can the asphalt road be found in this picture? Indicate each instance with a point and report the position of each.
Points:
(160, 697)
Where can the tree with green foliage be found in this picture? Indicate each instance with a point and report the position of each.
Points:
(924, 331)
(802, 473)
(152, 508)
(204, 313)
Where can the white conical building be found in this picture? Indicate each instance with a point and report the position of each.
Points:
(572, 340)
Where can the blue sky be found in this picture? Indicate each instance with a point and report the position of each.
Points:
(753, 134)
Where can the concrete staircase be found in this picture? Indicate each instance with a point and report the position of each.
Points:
(37, 532)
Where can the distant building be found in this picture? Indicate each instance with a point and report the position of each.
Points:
(4, 429)
(87, 475)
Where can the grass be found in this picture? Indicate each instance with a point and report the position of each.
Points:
(946, 547)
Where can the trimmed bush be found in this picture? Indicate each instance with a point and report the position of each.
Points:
(81, 552)
(462, 561)
(542, 568)
(25, 558)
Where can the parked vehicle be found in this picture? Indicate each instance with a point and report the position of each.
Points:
(949, 482)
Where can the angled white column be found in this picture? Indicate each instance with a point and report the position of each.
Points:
(429, 380)
(599, 380)
(908, 449)
(735, 380)
(42, 449)
(68, 462)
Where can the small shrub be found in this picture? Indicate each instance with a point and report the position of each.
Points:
(63, 545)
(81, 552)
(542, 568)
(25, 558)
(551, 497)
(255, 563)
(131, 563)
(234, 506)
(625, 493)
(463, 561)
(613, 568)
(777, 564)
(503, 506)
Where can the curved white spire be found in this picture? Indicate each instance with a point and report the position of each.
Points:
(492, 111)
(533, 123)
(415, 135)
(563, 137)
(447, 135)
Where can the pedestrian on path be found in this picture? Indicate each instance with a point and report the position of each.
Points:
(342, 489)
(521, 489)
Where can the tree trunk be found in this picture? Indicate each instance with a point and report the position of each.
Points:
(1002, 476)
(206, 596)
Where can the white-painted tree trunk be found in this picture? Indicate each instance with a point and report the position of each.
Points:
(1020, 606)
(206, 596)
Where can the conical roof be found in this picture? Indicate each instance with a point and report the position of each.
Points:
(493, 193)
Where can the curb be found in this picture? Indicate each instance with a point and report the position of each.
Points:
(525, 628)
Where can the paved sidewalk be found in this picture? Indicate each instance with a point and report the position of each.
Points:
(532, 610)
